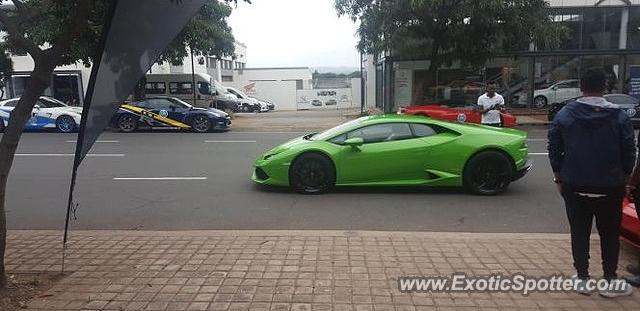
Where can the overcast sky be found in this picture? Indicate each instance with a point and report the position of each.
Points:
(284, 33)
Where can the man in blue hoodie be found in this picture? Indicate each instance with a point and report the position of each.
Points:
(592, 153)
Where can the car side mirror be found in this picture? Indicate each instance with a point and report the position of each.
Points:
(354, 142)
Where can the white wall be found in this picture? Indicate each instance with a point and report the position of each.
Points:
(343, 97)
(276, 85)
(280, 93)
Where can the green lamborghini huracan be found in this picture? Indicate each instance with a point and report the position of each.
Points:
(398, 150)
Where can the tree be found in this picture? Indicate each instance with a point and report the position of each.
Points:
(56, 32)
(448, 31)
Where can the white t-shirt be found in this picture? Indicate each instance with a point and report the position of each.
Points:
(486, 102)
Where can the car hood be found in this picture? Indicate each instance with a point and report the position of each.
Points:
(288, 145)
(211, 111)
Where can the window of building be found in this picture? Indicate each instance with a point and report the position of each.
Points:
(181, 88)
(212, 62)
(299, 85)
(155, 88)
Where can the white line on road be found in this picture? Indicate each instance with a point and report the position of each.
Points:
(98, 141)
(230, 141)
(158, 178)
(98, 155)
(538, 153)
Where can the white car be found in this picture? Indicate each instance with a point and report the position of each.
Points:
(556, 93)
(48, 113)
(248, 101)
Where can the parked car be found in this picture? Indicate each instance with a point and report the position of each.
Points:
(168, 112)
(247, 103)
(556, 93)
(630, 104)
(466, 113)
(209, 93)
(48, 113)
(630, 224)
(435, 153)
(331, 102)
(316, 103)
(269, 105)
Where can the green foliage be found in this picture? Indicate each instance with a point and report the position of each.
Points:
(44, 21)
(444, 31)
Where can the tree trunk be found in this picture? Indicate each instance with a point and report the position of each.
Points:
(40, 80)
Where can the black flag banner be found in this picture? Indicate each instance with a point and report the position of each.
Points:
(135, 33)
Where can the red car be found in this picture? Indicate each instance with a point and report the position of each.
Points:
(457, 114)
(630, 224)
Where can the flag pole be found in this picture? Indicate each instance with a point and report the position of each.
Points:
(83, 122)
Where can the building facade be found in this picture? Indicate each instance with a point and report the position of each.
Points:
(601, 34)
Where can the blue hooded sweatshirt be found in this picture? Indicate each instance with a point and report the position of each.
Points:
(592, 146)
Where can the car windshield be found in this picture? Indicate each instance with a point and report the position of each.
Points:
(337, 130)
(52, 102)
(219, 87)
(242, 94)
(181, 102)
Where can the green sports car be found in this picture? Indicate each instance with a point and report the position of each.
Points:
(398, 150)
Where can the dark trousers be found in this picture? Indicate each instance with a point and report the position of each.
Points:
(608, 214)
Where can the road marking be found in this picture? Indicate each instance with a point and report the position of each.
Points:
(230, 141)
(98, 155)
(158, 178)
(539, 153)
(97, 141)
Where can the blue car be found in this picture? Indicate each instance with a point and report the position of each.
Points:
(168, 112)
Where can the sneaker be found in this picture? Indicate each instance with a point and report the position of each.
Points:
(633, 280)
(634, 269)
(581, 285)
(623, 289)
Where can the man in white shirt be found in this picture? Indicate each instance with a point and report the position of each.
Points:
(490, 105)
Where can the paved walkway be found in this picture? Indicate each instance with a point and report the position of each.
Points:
(292, 270)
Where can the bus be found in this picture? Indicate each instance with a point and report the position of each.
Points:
(209, 93)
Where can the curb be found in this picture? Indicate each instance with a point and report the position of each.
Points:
(299, 233)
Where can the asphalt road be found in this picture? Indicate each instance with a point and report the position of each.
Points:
(114, 192)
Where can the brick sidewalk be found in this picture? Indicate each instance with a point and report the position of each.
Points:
(292, 270)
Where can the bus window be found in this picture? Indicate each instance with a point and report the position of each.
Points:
(204, 88)
(155, 88)
(181, 88)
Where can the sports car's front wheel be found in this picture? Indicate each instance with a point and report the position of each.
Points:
(488, 173)
(65, 124)
(312, 173)
(201, 124)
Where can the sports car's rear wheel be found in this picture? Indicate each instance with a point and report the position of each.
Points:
(127, 123)
(488, 173)
(65, 124)
(312, 173)
(200, 124)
